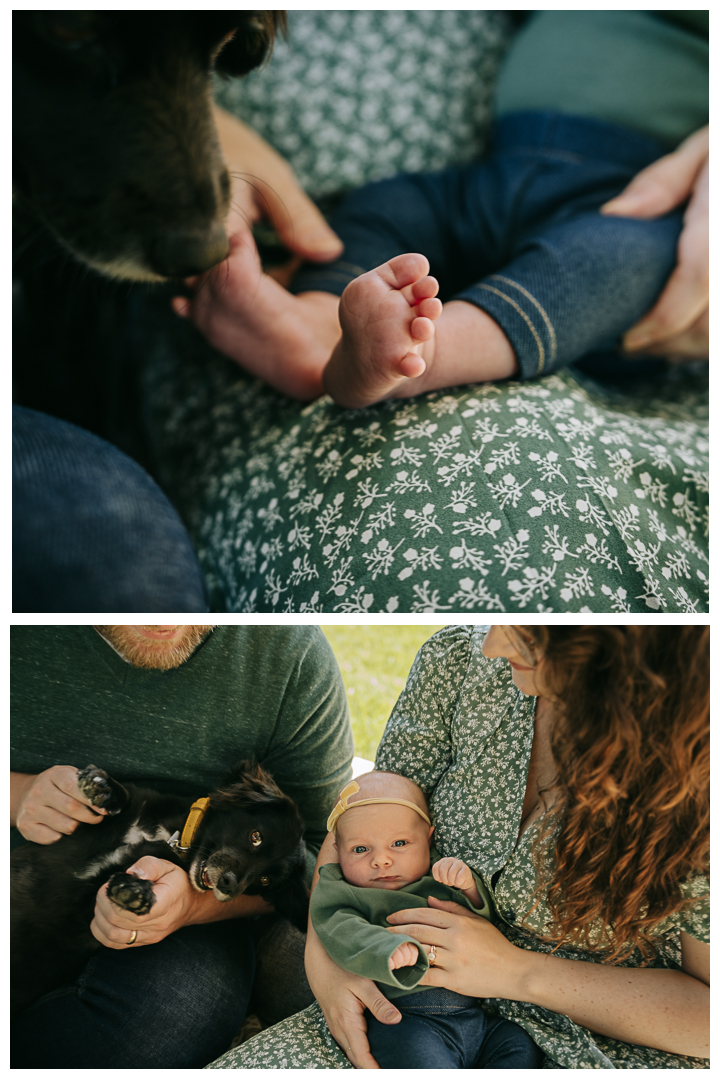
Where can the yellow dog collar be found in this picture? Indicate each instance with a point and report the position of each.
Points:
(342, 805)
(181, 844)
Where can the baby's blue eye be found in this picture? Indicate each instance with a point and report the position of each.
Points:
(359, 850)
(399, 843)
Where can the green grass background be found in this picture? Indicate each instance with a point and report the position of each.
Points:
(374, 661)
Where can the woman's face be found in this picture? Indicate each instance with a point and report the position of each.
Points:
(505, 641)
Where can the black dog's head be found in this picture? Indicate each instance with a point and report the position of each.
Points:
(250, 841)
(114, 145)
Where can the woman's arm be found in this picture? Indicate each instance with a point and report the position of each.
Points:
(678, 323)
(660, 1008)
(264, 186)
(342, 997)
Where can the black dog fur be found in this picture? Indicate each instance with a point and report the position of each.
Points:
(114, 147)
(53, 887)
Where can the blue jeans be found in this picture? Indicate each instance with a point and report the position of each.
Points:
(444, 1030)
(519, 235)
(91, 530)
(174, 1005)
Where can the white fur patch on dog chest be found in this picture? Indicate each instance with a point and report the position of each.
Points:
(134, 837)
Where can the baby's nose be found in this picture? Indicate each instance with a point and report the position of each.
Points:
(383, 858)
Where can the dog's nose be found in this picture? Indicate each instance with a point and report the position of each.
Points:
(182, 253)
(227, 882)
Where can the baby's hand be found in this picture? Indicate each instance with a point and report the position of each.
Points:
(453, 872)
(404, 956)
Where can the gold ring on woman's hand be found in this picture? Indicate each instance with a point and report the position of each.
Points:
(133, 938)
(431, 955)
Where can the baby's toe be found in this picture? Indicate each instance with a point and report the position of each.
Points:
(424, 288)
(403, 270)
(429, 309)
(422, 329)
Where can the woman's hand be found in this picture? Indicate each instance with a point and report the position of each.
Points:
(49, 805)
(176, 904)
(472, 956)
(678, 323)
(264, 186)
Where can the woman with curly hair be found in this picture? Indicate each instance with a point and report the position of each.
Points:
(569, 767)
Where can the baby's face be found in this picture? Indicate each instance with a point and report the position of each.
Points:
(384, 846)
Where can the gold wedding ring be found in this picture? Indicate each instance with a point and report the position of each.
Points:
(431, 955)
(133, 938)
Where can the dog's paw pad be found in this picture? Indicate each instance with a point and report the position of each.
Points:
(97, 786)
(131, 893)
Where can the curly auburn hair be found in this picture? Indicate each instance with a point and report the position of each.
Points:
(631, 740)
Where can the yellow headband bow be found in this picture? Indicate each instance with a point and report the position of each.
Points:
(342, 805)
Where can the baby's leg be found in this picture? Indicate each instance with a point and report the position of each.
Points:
(414, 1043)
(508, 1046)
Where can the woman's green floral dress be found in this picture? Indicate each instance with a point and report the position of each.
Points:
(558, 494)
(463, 732)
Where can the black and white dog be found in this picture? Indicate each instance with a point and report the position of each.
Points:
(246, 837)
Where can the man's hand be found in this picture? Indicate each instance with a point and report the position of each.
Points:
(405, 955)
(49, 805)
(678, 323)
(176, 905)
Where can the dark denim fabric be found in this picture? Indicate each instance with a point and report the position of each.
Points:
(444, 1030)
(174, 1005)
(91, 530)
(519, 235)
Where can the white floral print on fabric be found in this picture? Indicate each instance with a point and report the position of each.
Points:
(382, 92)
(557, 495)
(463, 732)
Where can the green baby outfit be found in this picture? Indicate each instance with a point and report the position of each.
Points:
(352, 924)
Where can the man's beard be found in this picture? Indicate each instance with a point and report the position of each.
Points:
(157, 654)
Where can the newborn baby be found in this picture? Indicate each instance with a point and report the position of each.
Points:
(382, 832)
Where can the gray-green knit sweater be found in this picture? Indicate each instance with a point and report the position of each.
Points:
(271, 693)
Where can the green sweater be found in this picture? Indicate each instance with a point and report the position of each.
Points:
(645, 70)
(272, 693)
(352, 924)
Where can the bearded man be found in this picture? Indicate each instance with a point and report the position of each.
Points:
(173, 708)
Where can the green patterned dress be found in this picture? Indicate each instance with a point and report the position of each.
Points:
(463, 732)
(557, 495)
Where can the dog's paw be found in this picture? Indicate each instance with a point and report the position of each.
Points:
(131, 893)
(101, 790)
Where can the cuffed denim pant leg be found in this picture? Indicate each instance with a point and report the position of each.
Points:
(174, 1005)
(519, 234)
(444, 1030)
(92, 531)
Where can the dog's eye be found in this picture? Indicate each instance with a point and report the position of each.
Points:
(255, 838)
(264, 880)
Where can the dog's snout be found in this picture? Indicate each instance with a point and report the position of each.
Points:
(180, 253)
(227, 882)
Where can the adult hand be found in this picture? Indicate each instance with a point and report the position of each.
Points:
(264, 186)
(176, 903)
(472, 956)
(678, 323)
(343, 999)
(49, 805)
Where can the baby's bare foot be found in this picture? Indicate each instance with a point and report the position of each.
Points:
(387, 320)
(281, 338)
